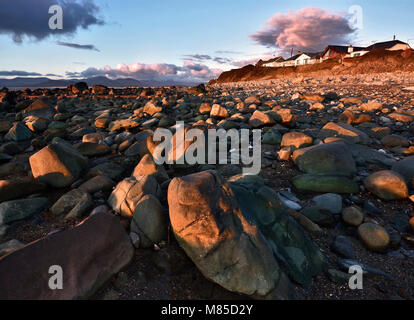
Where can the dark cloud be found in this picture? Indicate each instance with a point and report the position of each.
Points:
(18, 73)
(78, 46)
(30, 18)
(309, 29)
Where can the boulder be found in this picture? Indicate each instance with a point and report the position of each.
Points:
(129, 192)
(149, 221)
(353, 216)
(72, 204)
(15, 189)
(226, 247)
(329, 201)
(387, 185)
(218, 111)
(18, 132)
(374, 237)
(57, 165)
(330, 158)
(260, 119)
(39, 109)
(325, 183)
(345, 131)
(15, 210)
(89, 255)
(147, 166)
(296, 139)
(98, 183)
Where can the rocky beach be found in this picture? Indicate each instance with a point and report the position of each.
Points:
(80, 189)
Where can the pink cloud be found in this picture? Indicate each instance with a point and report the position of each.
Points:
(309, 29)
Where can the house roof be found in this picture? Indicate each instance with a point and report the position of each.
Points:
(277, 59)
(385, 45)
(309, 54)
(341, 49)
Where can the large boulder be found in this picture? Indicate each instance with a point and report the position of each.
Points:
(345, 131)
(72, 204)
(15, 189)
(227, 248)
(129, 192)
(147, 166)
(330, 158)
(325, 183)
(58, 165)
(290, 244)
(18, 132)
(39, 109)
(388, 185)
(89, 255)
(149, 221)
(15, 210)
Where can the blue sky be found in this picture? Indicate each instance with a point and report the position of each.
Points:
(162, 32)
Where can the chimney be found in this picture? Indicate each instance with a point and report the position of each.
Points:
(299, 52)
(395, 37)
(350, 49)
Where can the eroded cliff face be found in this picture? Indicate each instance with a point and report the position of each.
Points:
(377, 61)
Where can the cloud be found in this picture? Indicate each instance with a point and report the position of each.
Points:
(190, 72)
(205, 57)
(30, 18)
(19, 73)
(78, 46)
(228, 52)
(309, 29)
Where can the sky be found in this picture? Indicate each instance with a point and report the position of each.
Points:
(182, 39)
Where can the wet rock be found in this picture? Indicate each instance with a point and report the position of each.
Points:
(57, 165)
(338, 277)
(89, 255)
(15, 210)
(387, 185)
(374, 237)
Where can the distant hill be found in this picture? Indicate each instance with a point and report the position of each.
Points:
(44, 82)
